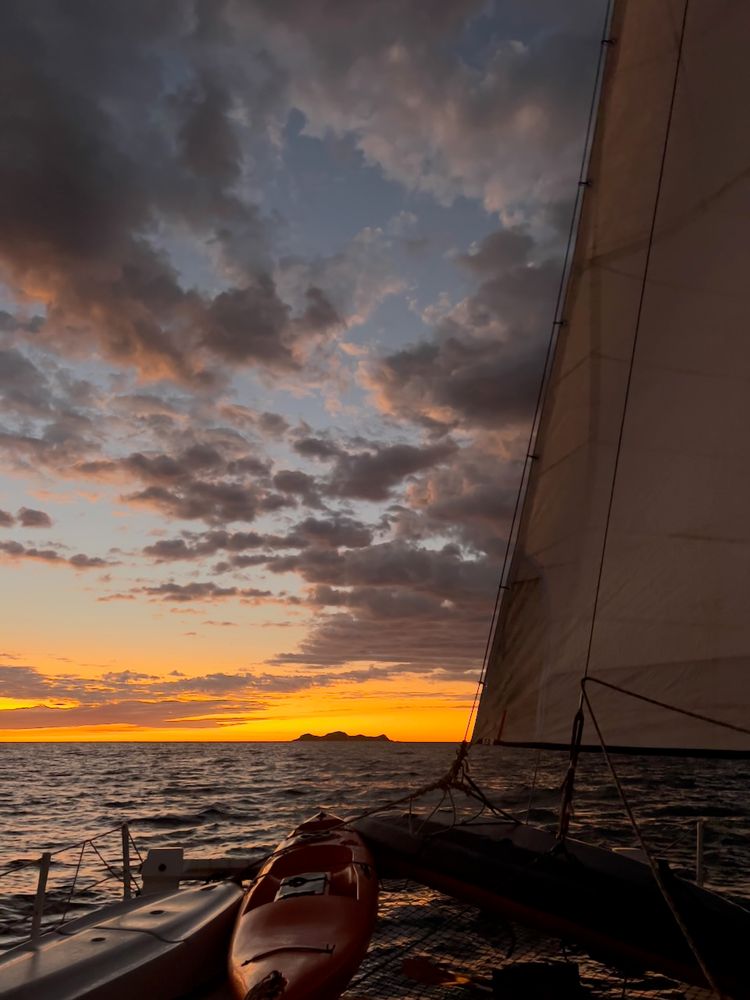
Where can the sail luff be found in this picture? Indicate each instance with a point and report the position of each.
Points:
(670, 618)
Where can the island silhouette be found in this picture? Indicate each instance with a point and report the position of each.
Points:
(340, 737)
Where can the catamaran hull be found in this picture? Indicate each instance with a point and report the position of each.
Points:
(608, 903)
(163, 946)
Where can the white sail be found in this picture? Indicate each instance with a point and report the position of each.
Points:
(635, 532)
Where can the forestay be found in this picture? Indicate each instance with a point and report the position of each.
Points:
(633, 557)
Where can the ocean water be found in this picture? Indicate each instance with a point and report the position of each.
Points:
(239, 800)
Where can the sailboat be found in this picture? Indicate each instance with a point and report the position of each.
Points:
(622, 623)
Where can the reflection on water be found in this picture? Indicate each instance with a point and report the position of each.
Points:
(241, 799)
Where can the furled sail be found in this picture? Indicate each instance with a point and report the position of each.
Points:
(632, 563)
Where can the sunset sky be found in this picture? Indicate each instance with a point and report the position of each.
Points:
(276, 280)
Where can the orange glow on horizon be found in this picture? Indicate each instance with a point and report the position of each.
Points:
(413, 719)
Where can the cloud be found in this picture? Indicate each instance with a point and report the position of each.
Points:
(298, 484)
(15, 550)
(375, 473)
(184, 592)
(141, 141)
(448, 646)
(213, 502)
(23, 387)
(249, 323)
(129, 699)
(482, 365)
(91, 183)
(201, 482)
(503, 126)
(443, 573)
(356, 280)
(399, 603)
(316, 447)
(30, 518)
(334, 532)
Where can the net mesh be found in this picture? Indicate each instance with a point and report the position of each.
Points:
(427, 946)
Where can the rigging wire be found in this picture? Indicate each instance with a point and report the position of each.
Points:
(652, 862)
(555, 330)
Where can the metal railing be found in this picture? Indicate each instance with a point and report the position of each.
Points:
(124, 874)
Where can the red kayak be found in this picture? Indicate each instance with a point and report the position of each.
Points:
(306, 921)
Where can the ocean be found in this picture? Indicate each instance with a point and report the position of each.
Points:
(240, 799)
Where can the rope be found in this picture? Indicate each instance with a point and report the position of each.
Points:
(664, 704)
(34, 863)
(134, 846)
(73, 883)
(456, 778)
(653, 864)
(557, 323)
(112, 871)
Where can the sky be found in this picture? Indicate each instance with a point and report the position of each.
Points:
(276, 281)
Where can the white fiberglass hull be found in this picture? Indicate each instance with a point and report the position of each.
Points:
(162, 945)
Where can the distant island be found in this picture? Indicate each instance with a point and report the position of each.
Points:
(339, 737)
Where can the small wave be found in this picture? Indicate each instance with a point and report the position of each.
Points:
(169, 820)
(699, 811)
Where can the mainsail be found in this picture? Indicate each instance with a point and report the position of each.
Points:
(632, 560)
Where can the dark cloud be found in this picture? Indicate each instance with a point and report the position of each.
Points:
(212, 502)
(81, 561)
(335, 532)
(482, 366)
(23, 387)
(208, 145)
(471, 500)
(30, 518)
(298, 484)
(15, 550)
(273, 424)
(419, 609)
(503, 126)
(450, 645)
(60, 446)
(183, 592)
(6, 519)
(103, 146)
(316, 447)
(373, 474)
(250, 323)
(443, 573)
(19, 551)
